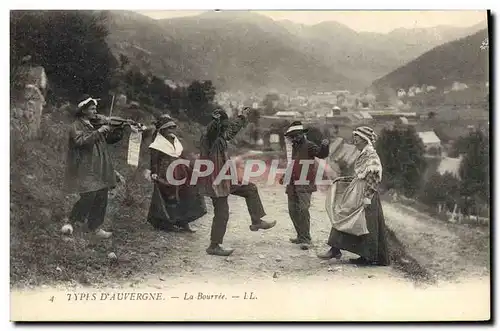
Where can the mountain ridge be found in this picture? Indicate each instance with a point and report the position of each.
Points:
(247, 50)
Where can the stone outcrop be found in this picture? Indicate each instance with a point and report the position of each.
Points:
(31, 84)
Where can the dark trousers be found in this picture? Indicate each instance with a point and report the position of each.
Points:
(91, 206)
(221, 210)
(298, 208)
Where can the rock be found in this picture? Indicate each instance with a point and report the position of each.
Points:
(121, 100)
(229, 259)
(153, 254)
(279, 259)
(162, 279)
(112, 256)
(371, 276)
(261, 256)
(67, 229)
(58, 269)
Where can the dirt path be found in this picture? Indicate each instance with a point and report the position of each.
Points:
(448, 251)
(269, 255)
(292, 283)
(258, 255)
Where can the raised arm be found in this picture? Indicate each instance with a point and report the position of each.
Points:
(235, 127)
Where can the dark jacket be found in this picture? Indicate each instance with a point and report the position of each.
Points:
(172, 204)
(306, 150)
(88, 165)
(217, 153)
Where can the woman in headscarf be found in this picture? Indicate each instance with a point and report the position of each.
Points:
(173, 206)
(362, 227)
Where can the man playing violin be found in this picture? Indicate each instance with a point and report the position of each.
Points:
(89, 169)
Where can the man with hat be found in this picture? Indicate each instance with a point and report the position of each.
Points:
(173, 206)
(299, 190)
(214, 144)
(89, 168)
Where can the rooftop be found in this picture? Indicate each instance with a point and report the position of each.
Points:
(429, 137)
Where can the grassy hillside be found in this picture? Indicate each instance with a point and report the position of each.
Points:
(461, 61)
(39, 253)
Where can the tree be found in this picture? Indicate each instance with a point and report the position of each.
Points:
(159, 92)
(200, 97)
(402, 155)
(474, 169)
(70, 45)
(441, 190)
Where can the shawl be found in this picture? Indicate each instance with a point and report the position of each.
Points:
(368, 161)
(163, 145)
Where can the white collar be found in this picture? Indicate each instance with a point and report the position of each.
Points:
(163, 145)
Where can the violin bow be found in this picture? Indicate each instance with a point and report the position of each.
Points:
(112, 103)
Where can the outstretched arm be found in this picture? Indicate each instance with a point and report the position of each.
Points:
(235, 127)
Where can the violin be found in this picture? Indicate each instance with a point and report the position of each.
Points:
(116, 122)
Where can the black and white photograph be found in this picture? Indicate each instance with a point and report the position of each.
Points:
(250, 165)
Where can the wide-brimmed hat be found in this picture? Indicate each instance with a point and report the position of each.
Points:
(295, 127)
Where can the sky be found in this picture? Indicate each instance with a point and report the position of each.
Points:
(373, 21)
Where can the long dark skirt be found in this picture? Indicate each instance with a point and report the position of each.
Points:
(165, 212)
(372, 246)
